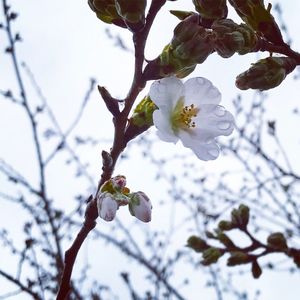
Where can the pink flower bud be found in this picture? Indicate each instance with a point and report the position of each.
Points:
(140, 206)
(118, 182)
(107, 206)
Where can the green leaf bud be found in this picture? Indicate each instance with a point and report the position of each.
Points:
(210, 256)
(254, 14)
(132, 12)
(277, 241)
(225, 225)
(230, 37)
(256, 269)
(106, 11)
(238, 258)
(211, 9)
(197, 244)
(266, 74)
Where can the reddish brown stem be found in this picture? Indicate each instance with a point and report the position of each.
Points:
(119, 144)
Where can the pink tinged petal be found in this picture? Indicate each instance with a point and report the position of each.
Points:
(166, 92)
(119, 181)
(161, 120)
(212, 121)
(203, 150)
(107, 206)
(199, 91)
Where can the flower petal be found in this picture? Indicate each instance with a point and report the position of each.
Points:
(204, 151)
(140, 206)
(107, 206)
(161, 120)
(166, 92)
(199, 91)
(212, 121)
(208, 151)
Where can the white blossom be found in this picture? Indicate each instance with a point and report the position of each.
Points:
(190, 112)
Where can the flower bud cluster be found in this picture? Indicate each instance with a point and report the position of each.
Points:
(211, 9)
(191, 45)
(265, 74)
(254, 14)
(114, 193)
(124, 13)
(230, 37)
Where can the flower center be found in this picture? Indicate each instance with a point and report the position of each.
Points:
(187, 114)
(182, 116)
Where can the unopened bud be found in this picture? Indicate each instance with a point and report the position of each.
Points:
(254, 14)
(295, 254)
(210, 256)
(116, 186)
(230, 38)
(238, 258)
(197, 243)
(107, 206)
(225, 240)
(244, 213)
(240, 217)
(225, 225)
(266, 74)
(106, 11)
(191, 41)
(143, 112)
(211, 9)
(141, 120)
(132, 12)
(118, 182)
(277, 241)
(256, 269)
(140, 206)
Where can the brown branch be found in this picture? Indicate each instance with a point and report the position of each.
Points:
(285, 49)
(20, 285)
(33, 124)
(119, 144)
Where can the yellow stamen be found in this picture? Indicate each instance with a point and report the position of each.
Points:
(186, 116)
(182, 116)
